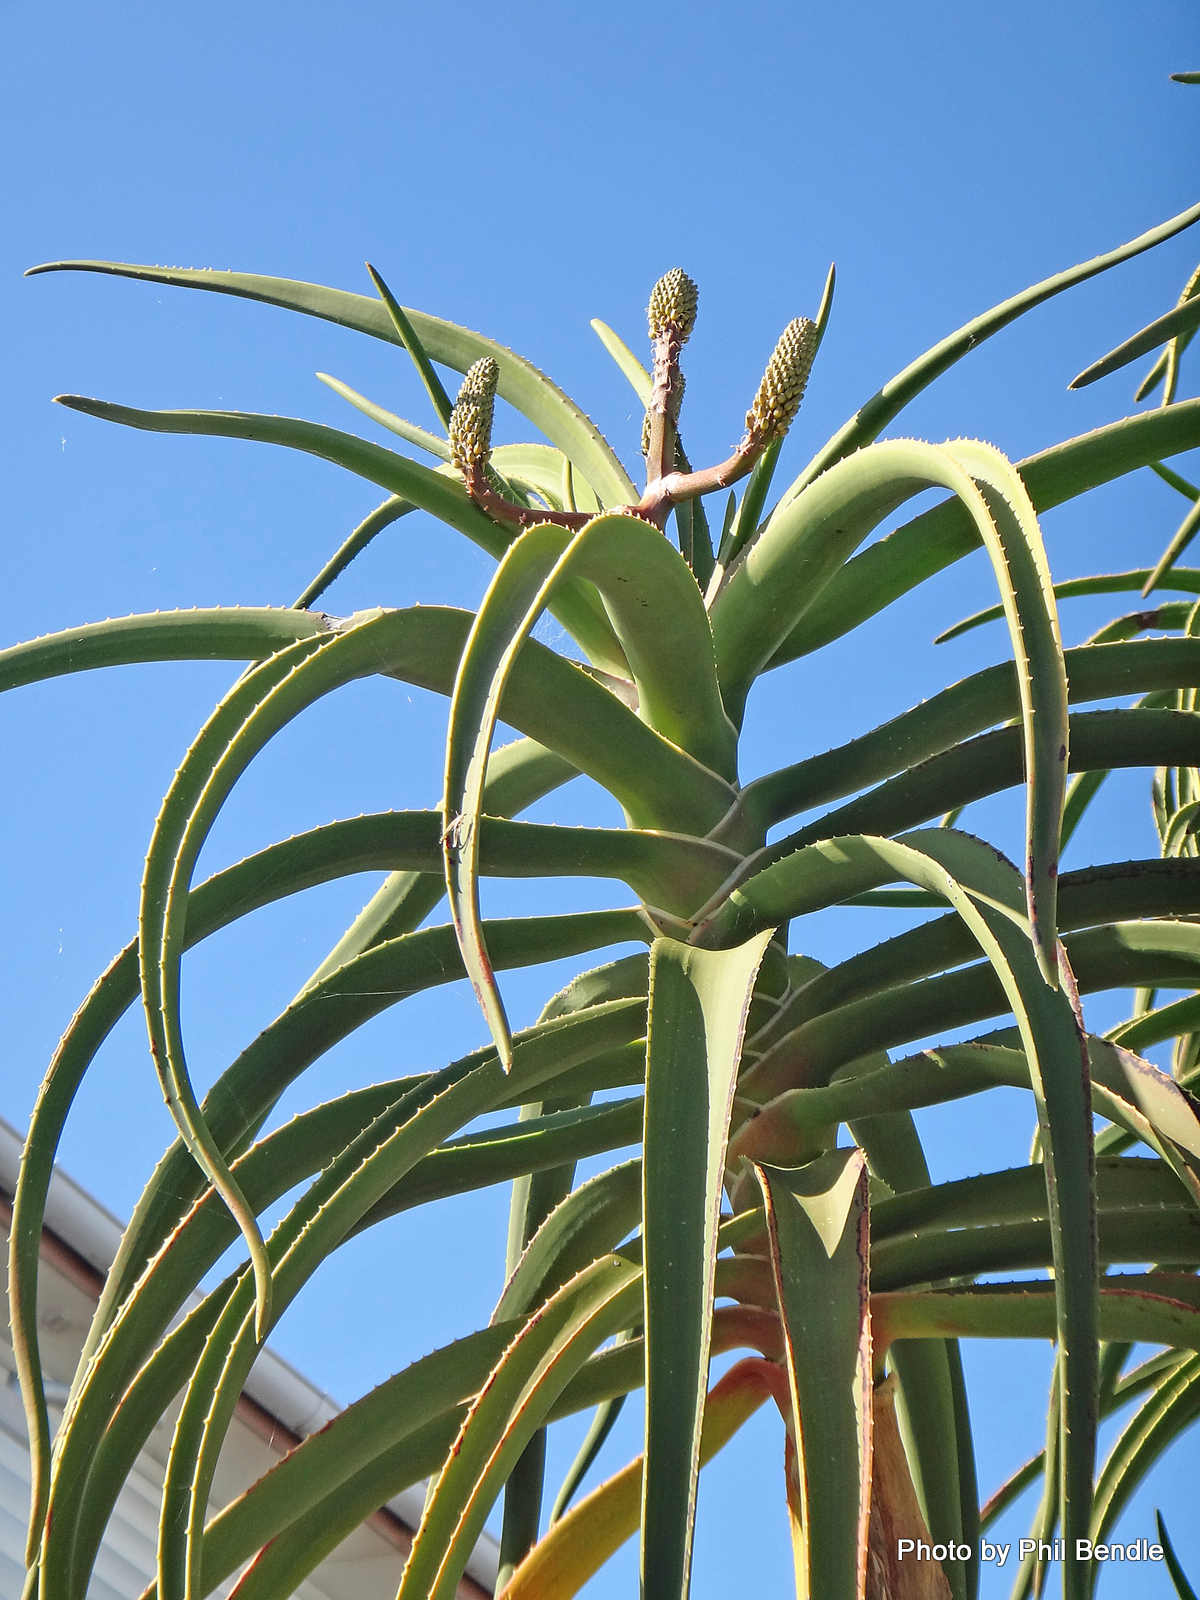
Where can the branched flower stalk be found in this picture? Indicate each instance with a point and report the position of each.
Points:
(672, 316)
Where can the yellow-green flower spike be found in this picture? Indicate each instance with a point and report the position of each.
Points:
(673, 303)
(471, 418)
(782, 387)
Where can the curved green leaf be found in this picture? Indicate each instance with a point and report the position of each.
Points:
(803, 544)
(1023, 575)
(442, 495)
(897, 563)
(173, 850)
(217, 634)
(659, 617)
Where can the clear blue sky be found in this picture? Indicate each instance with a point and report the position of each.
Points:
(518, 168)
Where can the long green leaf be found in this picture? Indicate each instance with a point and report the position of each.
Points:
(1138, 1308)
(1093, 672)
(1131, 954)
(1183, 1588)
(870, 419)
(590, 1221)
(1100, 741)
(412, 343)
(1053, 1040)
(172, 855)
(630, 367)
(1183, 537)
(1108, 894)
(394, 507)
(520, 381)
(817, 1216)
(432, 491)
(1186, 579)
(408, 431)
(532, 1373)
(1014, 544)
(698, 1005)
(806, 541)
(1180, 319)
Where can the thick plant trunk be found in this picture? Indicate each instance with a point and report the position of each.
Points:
(896, 1515)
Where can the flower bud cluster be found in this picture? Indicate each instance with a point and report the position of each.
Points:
(782, 388)
(471, 419)
(673, 302)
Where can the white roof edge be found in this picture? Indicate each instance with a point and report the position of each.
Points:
(95, 1234)
(71, 1213)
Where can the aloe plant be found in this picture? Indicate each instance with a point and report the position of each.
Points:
(725, 1050)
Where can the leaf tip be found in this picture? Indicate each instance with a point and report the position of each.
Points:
(262, 1310)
